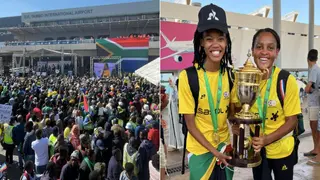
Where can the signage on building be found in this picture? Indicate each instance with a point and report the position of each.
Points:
(92, 12)
(57, 14)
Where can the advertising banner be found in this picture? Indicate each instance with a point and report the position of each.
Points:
(176, 45)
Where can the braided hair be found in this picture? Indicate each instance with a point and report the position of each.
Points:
(200, 54)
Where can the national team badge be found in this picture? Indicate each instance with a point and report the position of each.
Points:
(272, 103)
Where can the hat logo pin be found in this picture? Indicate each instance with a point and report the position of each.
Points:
(212, 15)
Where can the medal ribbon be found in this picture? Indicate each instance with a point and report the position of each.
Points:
(263, 114)
(214, 116)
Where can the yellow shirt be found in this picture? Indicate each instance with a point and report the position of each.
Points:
(275, 116)
(52, 139)
(8, 134)
(66, 133)
(203, 118)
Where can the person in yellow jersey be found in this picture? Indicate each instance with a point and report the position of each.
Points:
(8, 141)
(53, 139)
(276, 143)
(207, 124)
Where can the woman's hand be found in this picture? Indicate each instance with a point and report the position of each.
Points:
(222, 158)
(259, 142)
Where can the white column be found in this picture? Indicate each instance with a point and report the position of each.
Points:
(311, 25)
(13, 61)
(24, 62)
(82, 61)
(75, 66)
(1, 66)
(91, 66)
(31, 61)
(62, 61)
(277, 24)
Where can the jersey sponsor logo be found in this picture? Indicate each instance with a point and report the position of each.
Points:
(205, 111)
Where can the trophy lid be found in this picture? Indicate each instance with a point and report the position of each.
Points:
(249, 66)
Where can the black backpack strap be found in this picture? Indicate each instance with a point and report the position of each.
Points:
(281, 92)
(230, 77)
(194, 85)
(193, 81)
(282, 85)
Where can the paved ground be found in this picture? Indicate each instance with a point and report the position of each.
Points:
(302, 171)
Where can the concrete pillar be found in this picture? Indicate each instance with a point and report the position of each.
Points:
(75, 66)
(62, 61)
(82, 61)
(311, 25)
(1, 66)
(31, 62)
(24, 62)
(82, 66)
(91, 66)
(277, 24)
(13, 61)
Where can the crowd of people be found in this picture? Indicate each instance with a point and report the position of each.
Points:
(82, 128)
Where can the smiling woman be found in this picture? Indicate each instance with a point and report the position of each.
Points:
(277, 145)
(91, 64)
(208, 136)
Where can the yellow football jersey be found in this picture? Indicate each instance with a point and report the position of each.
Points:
(203, 117)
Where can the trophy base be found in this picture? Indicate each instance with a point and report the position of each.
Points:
(246, 114)
(245, 163)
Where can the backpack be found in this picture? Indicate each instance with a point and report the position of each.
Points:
(281, 89)
(192, 75)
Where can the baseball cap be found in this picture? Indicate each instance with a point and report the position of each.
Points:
(75, 155)
(100, 144)
(148, 117)
(129, 126)
(212, 17)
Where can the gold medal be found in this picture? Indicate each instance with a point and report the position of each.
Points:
(216, 138)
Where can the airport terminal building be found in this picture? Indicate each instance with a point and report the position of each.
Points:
(72, 40)
(177, 46)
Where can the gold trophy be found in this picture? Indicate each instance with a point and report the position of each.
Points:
(247, 81)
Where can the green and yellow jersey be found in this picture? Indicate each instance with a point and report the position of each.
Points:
(203, 117)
